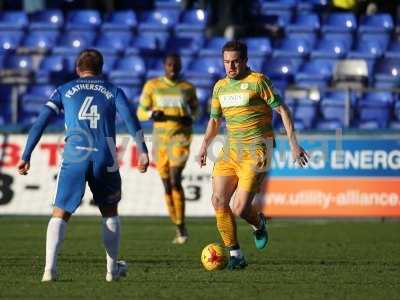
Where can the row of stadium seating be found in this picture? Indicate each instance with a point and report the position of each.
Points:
(190, 21)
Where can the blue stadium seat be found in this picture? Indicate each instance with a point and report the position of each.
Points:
(191, 23)
(293, 47)
(310, 37)
(183, 45)
(33, 100)
(50, 19)
(328, 125)
(131, 81)
(19, 63)
(393, 51)
(142, 44)
(258, 47)
(377, 23)
(339, 22)
(132, 92)
(40, 40)
(312, 5)
(168, 4)
(212, 47)
(281, 68)
(374, 110)
(369, 125)
(120, 21)
(128, 66)
(368, 49)
(109, 63)
(203, 96)
(304, 22)
(316, 72)
(10, 40)
(205, 67)
(83, 20)
(255, 63)
(273, 5)
(394, 125)
(331, 47)
(113, 42)
(51, 68)
(71, 43)
(278, 18)
(306, 112)
(157, 20)
(332, 110)
(387, 72)
(13, 20)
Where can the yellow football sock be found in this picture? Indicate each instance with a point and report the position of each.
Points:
(226, 226)
(171, 207)
(179, 203)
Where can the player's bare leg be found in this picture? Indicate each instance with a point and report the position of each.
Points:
(111, 238)
(178, 198)
(223, 189)
(243, 208)
(54, 238)
(168, 198)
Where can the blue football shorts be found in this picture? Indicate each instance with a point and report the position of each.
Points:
(71, 183)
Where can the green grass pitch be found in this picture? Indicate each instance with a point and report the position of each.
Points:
(304, 260)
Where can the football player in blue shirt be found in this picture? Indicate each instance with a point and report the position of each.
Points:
(89, 104)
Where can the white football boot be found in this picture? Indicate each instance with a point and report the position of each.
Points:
(122, 270)
(49, 275)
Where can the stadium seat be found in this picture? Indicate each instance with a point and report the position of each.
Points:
(10, 40)
(255, 64)
(204, 67)
(304, 22)
(183, 45)
(73, 42)
(50, 68)
(306, 112)
(19, 63)
(113, 42)
(278, 5)
(132, 92)
(50, 19)
(131, 81)
(377, 23)
(293, 47)
(395, 125)
(339, 22)
(310, 37)
(124, 20)
(109, 63)
(328, 125)
(40, 40)
(191, 23)
(13, 20)
(332, 110)
(5, 104)
(281, 69)
(397, 110)
(212, 47)
(331, 47)
(83, 20)
(128, 66)
(316, 72)
(258, 47)
(157, 20)
(33, 100)
(369, 125)
(386, 73)
(379, 112)
(142, 44)
(393, 51)
(168, 4)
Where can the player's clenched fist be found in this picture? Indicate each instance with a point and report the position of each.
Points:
(23, 167)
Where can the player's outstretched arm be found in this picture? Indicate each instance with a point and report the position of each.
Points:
(34, 136)
(211, 132)
(298, 153)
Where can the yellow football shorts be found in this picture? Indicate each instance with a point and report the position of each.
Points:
(172, 151)
(250, 166)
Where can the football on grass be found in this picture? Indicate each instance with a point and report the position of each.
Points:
(213, 257)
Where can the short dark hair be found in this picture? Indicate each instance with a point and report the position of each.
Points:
(236, 46)
(90, 60)
(172, 55)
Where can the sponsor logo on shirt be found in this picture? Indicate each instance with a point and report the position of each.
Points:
(170, 101)
(233, 100)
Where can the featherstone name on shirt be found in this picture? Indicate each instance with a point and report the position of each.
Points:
(88, 86)
(233, 100)
(170, 101)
